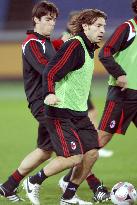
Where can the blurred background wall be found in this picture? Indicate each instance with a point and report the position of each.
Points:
(15, 19)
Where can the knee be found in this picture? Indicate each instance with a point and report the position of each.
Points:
(45, 155)
(104, 138)
(77, 159)
(92, 154)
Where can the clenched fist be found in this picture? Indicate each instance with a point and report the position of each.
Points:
(122, 82)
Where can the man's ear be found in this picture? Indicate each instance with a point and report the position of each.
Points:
(36, 20)
(85, 27)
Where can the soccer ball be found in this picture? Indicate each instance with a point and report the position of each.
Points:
(123, 193)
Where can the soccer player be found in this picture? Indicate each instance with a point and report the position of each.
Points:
(37, 51)
(119, 57)
(100, 192)
(66, 86)
(92, 111)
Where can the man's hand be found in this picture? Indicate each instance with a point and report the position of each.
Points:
(51, 99)
(122, 82)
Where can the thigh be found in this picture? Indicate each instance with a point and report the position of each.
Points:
(88, 134)
(43, 140)
(64, 137)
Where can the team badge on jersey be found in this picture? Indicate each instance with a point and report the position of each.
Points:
(112, 124)
(73, 145)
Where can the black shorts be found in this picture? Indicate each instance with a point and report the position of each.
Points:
(72, 136)
(43, 139)
(120, 110)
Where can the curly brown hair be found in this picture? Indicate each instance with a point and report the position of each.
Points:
(86, 16)
(42, 8)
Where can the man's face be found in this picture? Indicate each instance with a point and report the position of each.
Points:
(95, 32)
(46, 24)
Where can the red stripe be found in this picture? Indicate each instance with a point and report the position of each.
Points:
(33, 44)
(37, 53)
(119, 129)
(117, 34)
(60, 64)
(106, 52)
(113, 40)
(107, 114)
(62, 138)
(34, 50)
(58, 131)
(78, 138)
(17, 177)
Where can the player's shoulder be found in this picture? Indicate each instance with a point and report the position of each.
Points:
(28, 38)
(32, 39)
(72, 43)
(127, 25)
(123, 26)
(130, 28)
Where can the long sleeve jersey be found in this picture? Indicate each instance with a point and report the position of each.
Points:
(123, 37)
(37, 50)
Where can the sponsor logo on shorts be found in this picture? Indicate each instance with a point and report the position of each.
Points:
(112, 124)
(73, 145)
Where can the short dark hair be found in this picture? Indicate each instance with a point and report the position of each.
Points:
(42, 8)
(134, 6)
(87, 16)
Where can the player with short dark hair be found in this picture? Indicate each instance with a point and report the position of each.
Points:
(119, 57)
(43, 8)
(37, 51)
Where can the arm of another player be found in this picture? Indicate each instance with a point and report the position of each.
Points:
(111, 47)
(57, 43)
